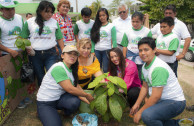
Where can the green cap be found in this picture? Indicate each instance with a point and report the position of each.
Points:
(8, 4)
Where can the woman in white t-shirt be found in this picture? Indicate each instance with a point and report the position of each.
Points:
(103, 36)
(43, 32)
(60, 90)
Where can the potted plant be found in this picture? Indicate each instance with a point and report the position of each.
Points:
(108, 101)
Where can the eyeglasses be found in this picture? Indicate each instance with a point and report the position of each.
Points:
(122, 12)
(72, 53)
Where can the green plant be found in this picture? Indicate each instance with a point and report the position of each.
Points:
(108, 101)
(21, 43)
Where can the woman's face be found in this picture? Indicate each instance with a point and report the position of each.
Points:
(64, 9)
(114, 58)
(85, 50)
(69, 57)
(136, 22)
(47, 14)
(103, 17)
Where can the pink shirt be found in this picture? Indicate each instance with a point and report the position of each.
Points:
(131, 77)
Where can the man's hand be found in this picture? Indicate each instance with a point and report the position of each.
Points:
(14, 53)
(137, 117)
(134, 109)
(180, 56)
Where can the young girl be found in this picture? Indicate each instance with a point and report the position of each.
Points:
(59, 89)
(126, 69)
(89, 65)
(43, 32)
(103, 36)
(132, 37)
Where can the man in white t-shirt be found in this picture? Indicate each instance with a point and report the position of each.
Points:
(10, 27)
(180, 29)
(122, 23)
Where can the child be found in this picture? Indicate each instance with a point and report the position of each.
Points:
(132, 37)
(167, 42)
(83, 27)
(166, 99)
(103, 36)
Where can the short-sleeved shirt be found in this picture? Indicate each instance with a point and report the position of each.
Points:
(122, 27)
(167, 42)
(159, 74)
(9, 30)
(107, 38)
(131, 39)
(51, 32)
(91, 70)
(50, 90)
(83, 29)
(180, 29)
(66, 26)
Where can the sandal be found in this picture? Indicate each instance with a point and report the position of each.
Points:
(190, 108)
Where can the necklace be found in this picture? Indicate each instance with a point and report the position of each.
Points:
(85, 70)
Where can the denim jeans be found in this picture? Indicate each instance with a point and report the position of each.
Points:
(43, 59)
(103, 59)
(47, 110)
(161, 113)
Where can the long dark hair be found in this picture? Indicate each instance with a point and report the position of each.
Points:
(112, 67)
(95, 31)
(44, 5)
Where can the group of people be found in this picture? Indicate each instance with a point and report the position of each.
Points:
(88, 49)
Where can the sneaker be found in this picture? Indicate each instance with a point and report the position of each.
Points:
(21, 105)
(27, 101)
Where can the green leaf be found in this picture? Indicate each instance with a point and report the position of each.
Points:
(92, 84)
(111, 88)
(27, 42)
(121, 100)
(92, 104)
(121, 84)
(96, 81)
(106, 117)
(9, 80)
(99, 91)
(101, 104)
(112, 79)
(23, 46)
(115, 108)
(99, 85)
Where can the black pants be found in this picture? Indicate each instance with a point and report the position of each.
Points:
(132, 95)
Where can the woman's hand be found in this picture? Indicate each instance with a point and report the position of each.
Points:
(134, 109)
(137, 117)
(89, 97)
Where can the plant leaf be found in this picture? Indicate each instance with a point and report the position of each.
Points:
(115, 108)
(96, 81)
(99, 85)
(99, 91)
(106, 117)
(27, 42)
(121, 100)
(92, 104)
(112, 79)
(111, 88)
(101, 104)
(121, 84)
(92, 85)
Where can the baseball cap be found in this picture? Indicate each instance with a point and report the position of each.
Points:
(8, 3)
(70, 48)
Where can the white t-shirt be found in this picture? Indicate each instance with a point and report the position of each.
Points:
(159, 74)
(180, 29)
(105, 37)
(83, 29)
(9, 30)
(167, 42)
(50, 90)
(121, 26)
(51, 33)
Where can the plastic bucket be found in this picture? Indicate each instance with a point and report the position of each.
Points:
(185, 122)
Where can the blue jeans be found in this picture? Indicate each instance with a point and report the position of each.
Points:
(161, 113)
(47, 110)
(43, 59)
(103, 59)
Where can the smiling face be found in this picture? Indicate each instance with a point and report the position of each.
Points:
(103, 17)
(85, 50)
(69, 58)
(47, 14)
(8, 13)
(136, 22)
(64, 9)
(146, 53)
(114, 58)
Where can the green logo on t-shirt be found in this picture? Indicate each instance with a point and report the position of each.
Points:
(161, 45)
(103, 34)
(15, 31)
(46, 30)
(136, 40)
(87, 32)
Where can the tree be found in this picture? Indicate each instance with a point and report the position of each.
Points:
(155, 8)
(95, 6)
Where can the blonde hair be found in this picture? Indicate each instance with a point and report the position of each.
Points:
(83, 42)
(63, 2)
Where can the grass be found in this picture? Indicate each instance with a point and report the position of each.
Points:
(27, 116)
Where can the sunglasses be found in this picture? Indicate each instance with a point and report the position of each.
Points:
(122, 12)
(73, 53)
